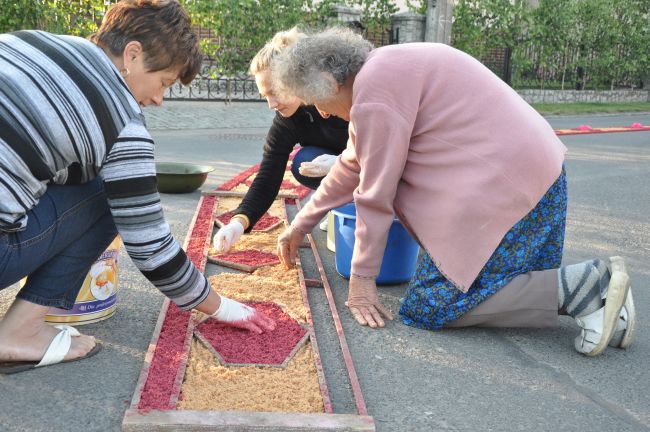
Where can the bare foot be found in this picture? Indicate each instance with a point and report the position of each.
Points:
(24, 336)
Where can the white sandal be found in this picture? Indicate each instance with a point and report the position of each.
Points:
(54, 354)
(598, 327)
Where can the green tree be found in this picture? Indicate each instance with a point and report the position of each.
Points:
(22, 14)
(75, 17)
(376, 14)
(481, 25)
(241, 27)
(417, 6)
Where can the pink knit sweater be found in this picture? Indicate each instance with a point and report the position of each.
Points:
(440, 140)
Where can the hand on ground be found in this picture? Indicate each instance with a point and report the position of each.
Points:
(235, 314)
(364, 304)
(288, 244)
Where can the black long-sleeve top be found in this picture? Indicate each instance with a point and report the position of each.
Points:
(307, 128)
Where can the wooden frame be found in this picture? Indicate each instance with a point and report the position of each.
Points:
(171, 419)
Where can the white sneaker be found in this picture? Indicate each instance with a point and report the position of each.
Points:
(618, 314)
(628, 316)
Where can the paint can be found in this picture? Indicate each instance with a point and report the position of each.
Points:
(98, 294)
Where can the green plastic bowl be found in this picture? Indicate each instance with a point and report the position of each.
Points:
(177, 177)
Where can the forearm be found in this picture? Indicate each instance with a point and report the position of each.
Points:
(211, 303)
(264, 189)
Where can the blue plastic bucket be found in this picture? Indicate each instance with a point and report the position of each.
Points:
(400, 256)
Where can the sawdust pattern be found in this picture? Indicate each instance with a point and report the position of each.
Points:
(240, 188)
(227, 204)
(264, 286)
(262, 241)
(208, 385)
(211, 386)
(250, 257)
(278, 273)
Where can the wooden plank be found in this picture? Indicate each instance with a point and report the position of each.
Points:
(313, 283)
(347, 356)
(243, 421)
(184, 358)
(237, 266)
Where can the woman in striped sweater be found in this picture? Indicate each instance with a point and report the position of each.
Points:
(77, 167)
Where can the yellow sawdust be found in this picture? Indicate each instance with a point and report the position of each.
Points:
(265, 287)
(227, 203)
(262, 241)
(210, 386)
(240, 188)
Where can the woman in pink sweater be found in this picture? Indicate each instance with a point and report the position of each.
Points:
(474, 173)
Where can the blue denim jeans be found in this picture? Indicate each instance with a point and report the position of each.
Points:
(307, 154)
(66, 232)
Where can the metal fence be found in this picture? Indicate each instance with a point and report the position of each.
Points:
(213, 86)
(210, 85)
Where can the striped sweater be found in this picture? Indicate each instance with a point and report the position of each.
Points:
(67, 116)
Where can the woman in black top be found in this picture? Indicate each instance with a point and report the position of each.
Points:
(321, 138)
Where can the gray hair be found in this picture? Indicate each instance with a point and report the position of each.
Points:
(302, 68)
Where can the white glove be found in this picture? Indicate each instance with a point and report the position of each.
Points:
(235, 314)
(319, 167)
(228, 235)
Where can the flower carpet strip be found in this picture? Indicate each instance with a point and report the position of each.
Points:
(242, 181)
(586, 129)
(199, 375)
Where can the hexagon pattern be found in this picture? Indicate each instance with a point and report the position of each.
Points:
(236, 347)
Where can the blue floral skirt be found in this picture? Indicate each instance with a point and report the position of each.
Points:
(535, 243)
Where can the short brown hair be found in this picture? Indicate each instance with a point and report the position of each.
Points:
(163, 28)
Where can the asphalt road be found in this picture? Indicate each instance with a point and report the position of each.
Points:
(412, 380)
